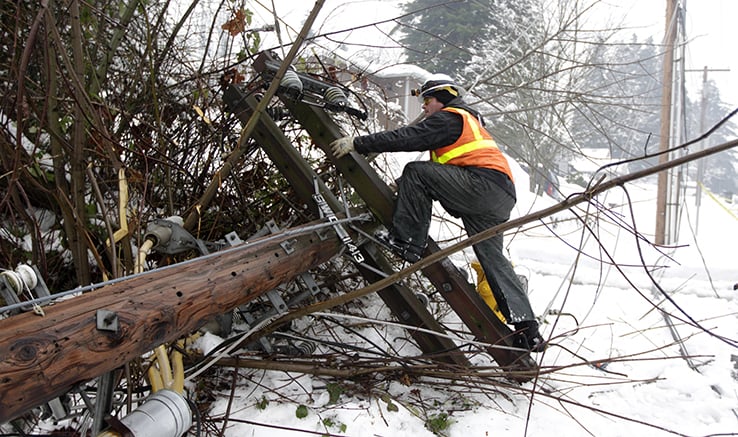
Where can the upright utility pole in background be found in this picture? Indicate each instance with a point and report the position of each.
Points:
(671, 186)
(665, 135)
(703, 126)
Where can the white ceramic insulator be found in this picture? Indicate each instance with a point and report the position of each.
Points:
(14, 280)
(28, 275)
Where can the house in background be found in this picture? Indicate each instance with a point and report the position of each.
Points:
(397, 83)
(391, 103)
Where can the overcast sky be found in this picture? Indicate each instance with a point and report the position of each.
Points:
(711, 30)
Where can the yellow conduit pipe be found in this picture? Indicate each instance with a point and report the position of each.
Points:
(165, 368)
(164, 372)
(178, 369)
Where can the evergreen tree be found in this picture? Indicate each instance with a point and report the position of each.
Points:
(443, 35)
(622, 112)
(561, 90)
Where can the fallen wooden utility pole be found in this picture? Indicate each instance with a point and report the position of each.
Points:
(81, 338)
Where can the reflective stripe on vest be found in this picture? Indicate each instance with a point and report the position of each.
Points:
(478, 139)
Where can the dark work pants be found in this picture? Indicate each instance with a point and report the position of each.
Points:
(481, 204)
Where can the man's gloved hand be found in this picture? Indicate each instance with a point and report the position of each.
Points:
(342, 146)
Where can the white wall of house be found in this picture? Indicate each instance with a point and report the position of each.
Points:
(396, 84)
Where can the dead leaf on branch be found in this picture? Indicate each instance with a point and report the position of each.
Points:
(237, 24)
(231, 76)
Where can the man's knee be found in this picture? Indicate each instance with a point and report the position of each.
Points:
(412, 175)
(413, 168)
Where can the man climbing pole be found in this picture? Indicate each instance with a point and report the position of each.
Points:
(469, 176)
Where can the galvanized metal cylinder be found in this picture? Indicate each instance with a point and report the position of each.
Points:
(164, 414)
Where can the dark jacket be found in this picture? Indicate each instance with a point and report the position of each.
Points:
(439, 130)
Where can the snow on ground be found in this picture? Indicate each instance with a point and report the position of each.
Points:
(592, 311)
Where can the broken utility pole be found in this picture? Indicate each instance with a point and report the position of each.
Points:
(83, 337)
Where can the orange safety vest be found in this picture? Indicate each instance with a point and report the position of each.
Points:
(474, 148)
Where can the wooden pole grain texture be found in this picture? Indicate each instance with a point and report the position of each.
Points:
(42, 357)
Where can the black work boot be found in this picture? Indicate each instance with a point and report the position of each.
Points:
(407, 251)
(527, 336)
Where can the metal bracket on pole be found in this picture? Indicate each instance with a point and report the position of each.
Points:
(275, 296)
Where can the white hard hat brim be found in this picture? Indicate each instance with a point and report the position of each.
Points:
(433, 89)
